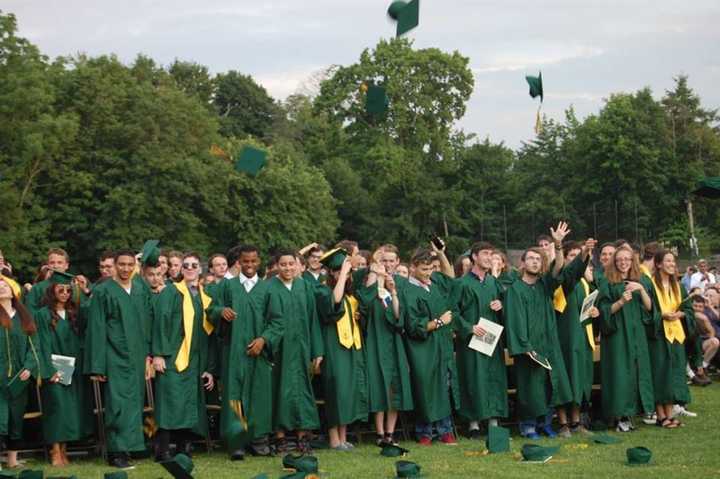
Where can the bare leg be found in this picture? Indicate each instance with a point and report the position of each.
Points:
(12, 460)
(392, 416)
(334, 437)
(380, 423)
(342, 434)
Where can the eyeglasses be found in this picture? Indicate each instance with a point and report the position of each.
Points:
(191, 265)
(64, 291)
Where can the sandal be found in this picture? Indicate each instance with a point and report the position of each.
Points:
(666, 423)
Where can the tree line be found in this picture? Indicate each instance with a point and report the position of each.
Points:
(96, 154)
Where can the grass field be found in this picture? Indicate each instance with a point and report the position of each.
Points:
(688, 452)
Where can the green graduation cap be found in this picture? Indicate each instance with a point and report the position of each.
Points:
(179, 467)
(301, 475)
(236, 435)
(301, 463)
(376, 100)
(251, 160)
(150, 255)
(606, 439)
(535, 453)
(536, 86)
(31, 474)
(116, 475)
(406, 14)
(407, 469)
(58, 277)
(638, 456)
(334, 259)
(498, 439)
(391, 450)
(261, 476)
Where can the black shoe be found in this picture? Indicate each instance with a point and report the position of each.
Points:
(185, 448)
(237, 455)
(260, 447)
(163, 456)
(120, 461)
(475, 434)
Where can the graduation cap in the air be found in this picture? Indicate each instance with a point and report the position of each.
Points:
(638, 456)
(334, 259)
(407, 469)
(376, 100)
(251, 160)
(150, 255)
(535, 453)
(179, 467)
(301, 463)
(406, 14)
(392, 450)
(58, 277)
(498, 439)
(536, 90)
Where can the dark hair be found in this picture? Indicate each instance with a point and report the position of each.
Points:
(620, 241)
(657, 261)
(649, 250)
(123, 252)
(605, 245)
(71, 308)
(107, 255)
(319, 248)
(283, 252)
(42, 274)
(543, 238)
(543, 258)
(422, 256)
(247, 248)
(191, 254)
(458, 266)
(480, 246)
(367, 255)
(233, 255)
(571, 245)
(213, 257)
(27, 323)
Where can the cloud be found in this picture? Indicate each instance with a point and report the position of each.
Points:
(515, 61)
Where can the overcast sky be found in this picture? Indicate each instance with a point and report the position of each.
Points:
(586, 49)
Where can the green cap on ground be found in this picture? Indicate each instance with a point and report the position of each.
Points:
(376, 100)
(30, 474)
(58, 277)
(407, 469)
(406, 14)
(334, 259)
(251, 160)
(116, 475)
(533, 452)
(606, 439)
(150, 255)
(638, 456)
(498, 439)
(301, 463)
(301, 475)
(536, 86)
(391, 450)
(179, 467)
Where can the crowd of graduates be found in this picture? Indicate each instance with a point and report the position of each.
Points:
(376, 336)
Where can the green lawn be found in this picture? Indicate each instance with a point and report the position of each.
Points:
(691, 451)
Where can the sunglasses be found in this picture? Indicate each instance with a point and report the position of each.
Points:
(191, 265)
(64, 290)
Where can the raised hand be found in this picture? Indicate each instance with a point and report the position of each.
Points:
(558, 234)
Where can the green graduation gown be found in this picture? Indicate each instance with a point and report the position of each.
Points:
(67, 410)
(532, 326)
(343, 370)
(18, 351)
(576, 349)
(116, 347)
(668, 360)
(244, 378)
(294, 400)
(483, 379)
(430, 353)
(625, 373)
(33, 299)
(388, 371)
(179, 395)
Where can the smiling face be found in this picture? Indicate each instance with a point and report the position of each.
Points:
(62, 293)
(190, 269)
(249, 263)
(606, 255)
(124, 267)
(175, 266)
(483, 259)
(286, 266)
(668, 265)
(623, 261)
(107, 268)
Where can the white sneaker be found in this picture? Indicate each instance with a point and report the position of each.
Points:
(679, 410)
(650, 419)
(623, 426)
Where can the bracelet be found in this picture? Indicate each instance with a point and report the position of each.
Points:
(439, 323)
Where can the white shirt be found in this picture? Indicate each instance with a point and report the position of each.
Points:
(415, 281)
(248, 283)
(697, 280)
(228, 275)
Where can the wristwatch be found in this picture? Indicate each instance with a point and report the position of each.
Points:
(439, 323)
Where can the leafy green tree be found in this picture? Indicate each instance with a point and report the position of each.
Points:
(244, 107)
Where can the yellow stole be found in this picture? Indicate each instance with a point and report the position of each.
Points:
(669, 303)
(588, 327)
(348, 329)
(559, 300)
(183, 356)
(16, 289)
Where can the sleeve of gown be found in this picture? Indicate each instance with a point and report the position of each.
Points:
(165, 311)
(317, 348)
(274, 329)
(516, 323)
(96, 336)
(415, 315)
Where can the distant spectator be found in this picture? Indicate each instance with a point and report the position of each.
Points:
(689, 271)
(703, 277)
